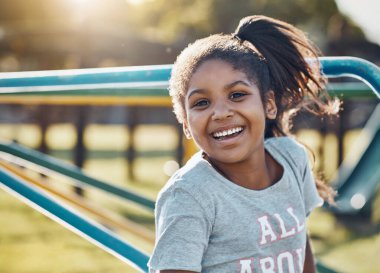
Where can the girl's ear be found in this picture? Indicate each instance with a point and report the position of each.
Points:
(186, 130)
(270, 105)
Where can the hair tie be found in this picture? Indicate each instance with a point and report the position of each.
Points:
(235, 36)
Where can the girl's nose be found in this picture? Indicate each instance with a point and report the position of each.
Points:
(221, 111)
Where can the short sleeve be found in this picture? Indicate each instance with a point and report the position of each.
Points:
(296, 156)
(182, 232)
(311, 196)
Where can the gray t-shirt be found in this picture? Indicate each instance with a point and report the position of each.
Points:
(206, 223)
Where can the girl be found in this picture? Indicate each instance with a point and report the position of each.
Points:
(240, 204)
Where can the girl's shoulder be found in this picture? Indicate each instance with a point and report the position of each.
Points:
(287, 147)
(192, 178)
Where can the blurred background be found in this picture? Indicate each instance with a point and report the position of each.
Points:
(60, 34)
(139, 147)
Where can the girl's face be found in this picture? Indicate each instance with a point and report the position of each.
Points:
(224, 113)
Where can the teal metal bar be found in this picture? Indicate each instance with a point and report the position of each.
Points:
(353, 67)
(100, 90)
(91, 76)
(359, 174)
(321, 268)
(350, 90)
(72, 171)
(74, 221)
(148, 80)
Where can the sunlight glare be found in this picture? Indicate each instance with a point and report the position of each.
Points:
(137, 2)
(170, 167)
(80, 2)
(365, 13)
(358, 201)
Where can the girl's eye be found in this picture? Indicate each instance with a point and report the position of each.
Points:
(237, 95)
(201, 103)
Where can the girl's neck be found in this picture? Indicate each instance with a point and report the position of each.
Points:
(257, 174)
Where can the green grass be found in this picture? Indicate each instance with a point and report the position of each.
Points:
(32, 243)
(343, 248)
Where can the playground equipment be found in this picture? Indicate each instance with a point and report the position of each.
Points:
(136, 85)
(362, 164)
(103, 215)
(143, 85)
(79, 224)
(73, 172)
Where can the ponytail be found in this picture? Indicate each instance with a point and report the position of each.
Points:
(294, 75)
(294, 70)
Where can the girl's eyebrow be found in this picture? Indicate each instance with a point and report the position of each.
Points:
(230, 85)
(195, 91)
(226, 87)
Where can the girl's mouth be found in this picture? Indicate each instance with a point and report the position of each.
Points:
(220, 135)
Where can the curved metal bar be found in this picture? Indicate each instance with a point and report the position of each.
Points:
(147, 80)
(74, 221)
(353, 67)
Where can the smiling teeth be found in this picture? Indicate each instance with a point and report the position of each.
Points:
(228, 132)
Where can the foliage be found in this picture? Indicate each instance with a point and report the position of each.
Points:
(59, 34)
(180, 21)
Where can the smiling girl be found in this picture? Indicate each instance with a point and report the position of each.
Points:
(240, 204)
